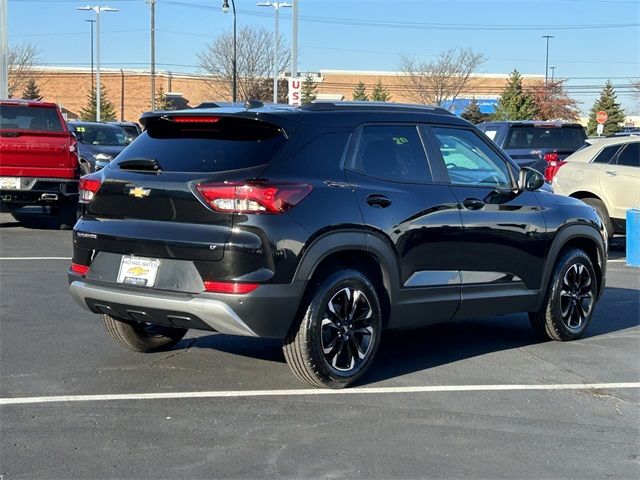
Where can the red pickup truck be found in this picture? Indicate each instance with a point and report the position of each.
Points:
(38, 160)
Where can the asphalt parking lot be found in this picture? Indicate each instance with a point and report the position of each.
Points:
(481, 399)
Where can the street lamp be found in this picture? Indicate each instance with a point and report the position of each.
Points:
(91, 22)
(553, 72)
(225, 9)
(546, 63)
(98, 10)
(276, 6)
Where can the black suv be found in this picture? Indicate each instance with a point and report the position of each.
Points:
(325, 225)
(540, 145)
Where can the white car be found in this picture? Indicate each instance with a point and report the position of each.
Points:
(605, 175)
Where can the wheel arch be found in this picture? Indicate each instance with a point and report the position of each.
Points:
(584, 237)
(582, 194)
(364, 251)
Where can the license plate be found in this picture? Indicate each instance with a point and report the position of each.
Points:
(138, 271)
(10, 183)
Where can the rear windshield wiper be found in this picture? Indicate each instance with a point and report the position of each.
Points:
(140, 164)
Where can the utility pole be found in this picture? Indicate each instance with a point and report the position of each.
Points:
(553, 73)
(546, 63)
(152, 4)
(91, 22)
(294, 40)
(4, 51)
(121, 95)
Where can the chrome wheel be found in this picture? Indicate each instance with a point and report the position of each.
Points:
(347, 333)
(576, 296)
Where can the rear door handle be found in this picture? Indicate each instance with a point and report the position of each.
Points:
(473, 204)
(611, 173)
(378, 201)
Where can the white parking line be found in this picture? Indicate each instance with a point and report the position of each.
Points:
(35, 258)
(311, 392)
(618, 260)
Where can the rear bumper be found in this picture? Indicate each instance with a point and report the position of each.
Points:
(266, 312)
(40, 191)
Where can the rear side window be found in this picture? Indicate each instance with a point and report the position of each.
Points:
(532, 137)
(606, 154)
(392, 152)
(22, 117)
(630, 156)
(226, 144)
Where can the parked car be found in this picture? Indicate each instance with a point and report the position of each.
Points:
(325, 225)
(38, 160)
(539, 145)
(99, 143)
(606, 176)
(132, 129)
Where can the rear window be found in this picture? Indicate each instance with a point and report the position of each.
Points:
(22, 117)
(228, 144)
(532, 137)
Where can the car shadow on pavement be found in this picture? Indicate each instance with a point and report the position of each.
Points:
(33, 221)
(618, 248)
(410, 351)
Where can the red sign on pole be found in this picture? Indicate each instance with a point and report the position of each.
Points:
(601, 117)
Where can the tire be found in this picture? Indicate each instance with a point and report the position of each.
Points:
(570, 299)
(142, 337)
(85, 169)
(601, 210)
(67, 214)
(326, 348)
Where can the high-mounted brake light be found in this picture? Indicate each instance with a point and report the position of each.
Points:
(230, 287)
(88, 188)
(79, 269)
(194, 119)
(253, 198)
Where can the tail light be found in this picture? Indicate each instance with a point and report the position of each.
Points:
(253, 198)
(553, 165)
(88, 188)
(81, 270)
(73, 145)
(230, 287)
(194, 119)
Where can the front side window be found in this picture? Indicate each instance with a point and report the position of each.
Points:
(392, 152)
(469, 160)
(630, 156)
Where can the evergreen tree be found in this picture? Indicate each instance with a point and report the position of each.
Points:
(379, 93)
(360, 92)
(107, 110)
(515, 103)
(309, 90)
(606, 102)
(31, 91)
(472, 113)
(162, 102)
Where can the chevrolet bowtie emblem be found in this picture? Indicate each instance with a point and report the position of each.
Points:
(137, 271)
(139, 192)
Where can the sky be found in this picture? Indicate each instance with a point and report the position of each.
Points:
(594, 40)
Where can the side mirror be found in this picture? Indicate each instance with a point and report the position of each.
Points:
(530, 179)
(78, 136)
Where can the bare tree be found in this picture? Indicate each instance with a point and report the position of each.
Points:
(441, 80)
(255, 48)
(22, 59)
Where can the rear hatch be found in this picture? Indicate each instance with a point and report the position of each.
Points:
(35, 142)
(527, 144)
(148, 203)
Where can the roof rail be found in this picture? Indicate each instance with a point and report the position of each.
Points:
(325, 106)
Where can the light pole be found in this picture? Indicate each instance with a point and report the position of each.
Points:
(553, 73)
(276, 6)
(91, 22)
(294, 40)
(98, 10)
(4, 51)
(152, 5)
(546, 63)
(234, 61)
